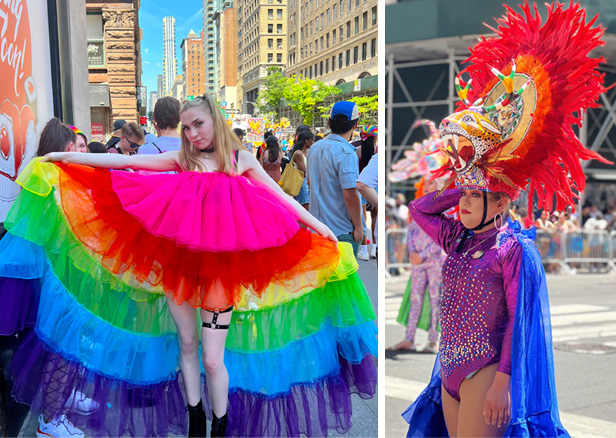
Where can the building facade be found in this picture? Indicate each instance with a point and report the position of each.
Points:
(152, 102)
(333, 40)
(179, 88)
(170, 64)
(209, 42)
(193, 65)
(159, 83)
(226, 53)
(114, 63)
(262, 42)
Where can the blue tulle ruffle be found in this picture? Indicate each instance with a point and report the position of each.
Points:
(311, 359)
(20, 258)
(75, 333)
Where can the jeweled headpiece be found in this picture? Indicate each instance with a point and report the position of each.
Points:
(529, 85)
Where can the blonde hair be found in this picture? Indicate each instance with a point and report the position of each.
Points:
(225, 141)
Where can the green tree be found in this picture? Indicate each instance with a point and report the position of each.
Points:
(303, 94)
(273, 92)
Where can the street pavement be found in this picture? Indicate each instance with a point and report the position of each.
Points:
(365, 412)
(583, 310)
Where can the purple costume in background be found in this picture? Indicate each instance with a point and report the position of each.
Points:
(479, 292)
(427, 273)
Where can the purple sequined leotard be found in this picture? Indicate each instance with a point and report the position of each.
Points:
(479, 292)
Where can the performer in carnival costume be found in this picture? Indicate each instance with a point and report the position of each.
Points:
(287, 332)
(494, 374)
(425, 255)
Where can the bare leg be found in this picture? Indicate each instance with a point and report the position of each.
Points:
(373, 214)
(185, 318)
(306, 206)
(472, 396)
(213, 347)
(450, 412)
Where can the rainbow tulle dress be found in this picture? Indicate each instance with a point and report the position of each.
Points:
(95, 254)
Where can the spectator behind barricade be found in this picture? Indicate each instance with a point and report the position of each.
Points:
(585, 215)
(56, 137)
(402, 209)
(82, 141)
(116, 136)
(97, 148)
(132, 137)
(611, 223)
(525, 221)
(333, 169)
(166, 117)
(271, 158)
(596, 241)
(543, 222)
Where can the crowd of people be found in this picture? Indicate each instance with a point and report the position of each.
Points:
(151, 248)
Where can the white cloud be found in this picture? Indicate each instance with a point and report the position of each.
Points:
(146, 62)
(158, 64)
(147, 51)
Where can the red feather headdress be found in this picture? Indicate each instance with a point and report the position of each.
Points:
(508, 138)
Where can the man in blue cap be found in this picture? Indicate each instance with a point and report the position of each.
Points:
(333, 169)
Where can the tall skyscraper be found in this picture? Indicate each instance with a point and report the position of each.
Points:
(209, 43)
(170, 65)
(193, 64)
(152, 101)
(159, 91)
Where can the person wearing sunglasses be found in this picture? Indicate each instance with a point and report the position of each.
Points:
(132, 137)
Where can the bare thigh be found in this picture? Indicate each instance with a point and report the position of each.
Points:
(450, 411)
(473, 392)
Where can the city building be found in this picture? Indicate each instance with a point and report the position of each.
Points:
(262, 42)
(152, 102)
(209, 42)
(170, 64)
(226, 53)
(193, 64)
(179, 88)
(159, 83)
(114, 64)
(334, 41)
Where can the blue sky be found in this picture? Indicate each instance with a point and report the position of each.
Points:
(187, 15)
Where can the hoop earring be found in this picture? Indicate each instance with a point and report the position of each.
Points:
(502, 221)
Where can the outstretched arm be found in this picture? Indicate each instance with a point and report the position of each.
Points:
(169, 161)
(250, 167)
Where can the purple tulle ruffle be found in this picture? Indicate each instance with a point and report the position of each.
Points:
(310, 409)
(19, 298)
(44, 380)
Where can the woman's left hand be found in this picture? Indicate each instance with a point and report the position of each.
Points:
(497, 405)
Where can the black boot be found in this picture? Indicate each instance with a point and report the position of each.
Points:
(219, 426)
(197, 421)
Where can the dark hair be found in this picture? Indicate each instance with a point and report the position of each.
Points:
(317, 138)
(97, 148)
(341, 124)
(55, 137)
(267, 134)
(133, 130)
(167, 112)
(299, 144)
(239, 132)
(273, 148)
(367, 151)
(301, 128)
